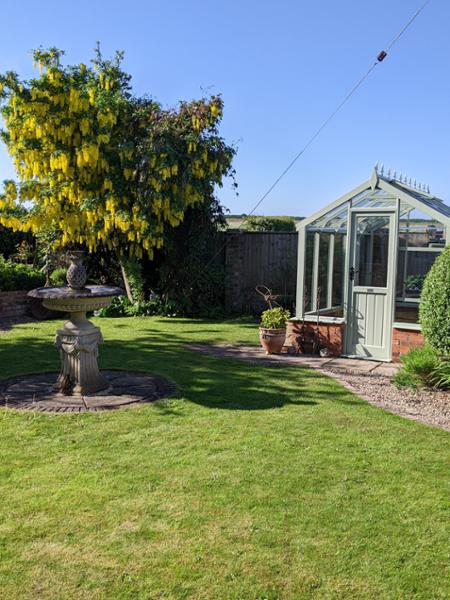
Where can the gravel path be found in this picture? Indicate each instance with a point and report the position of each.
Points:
(427, 406)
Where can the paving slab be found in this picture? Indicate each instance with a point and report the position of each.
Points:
(328, 364)
(35, 392)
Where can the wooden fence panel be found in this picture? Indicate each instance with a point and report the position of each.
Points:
(254, 258)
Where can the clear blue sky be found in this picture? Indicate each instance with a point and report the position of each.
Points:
(281, 67)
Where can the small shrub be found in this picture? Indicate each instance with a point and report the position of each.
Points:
(434, 308)
(58, 277)
(122, 307)
(423, 367)
(404, 378)
(118, 308)
(441, 375)
(274, 318)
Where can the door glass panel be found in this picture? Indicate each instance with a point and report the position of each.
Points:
(371, 250)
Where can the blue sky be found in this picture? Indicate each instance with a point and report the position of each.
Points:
(281, 67)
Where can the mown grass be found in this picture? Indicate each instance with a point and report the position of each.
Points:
(254, 482)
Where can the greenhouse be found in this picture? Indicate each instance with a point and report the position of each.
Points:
(363, 262)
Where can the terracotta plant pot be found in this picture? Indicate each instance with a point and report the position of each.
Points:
(272, 340)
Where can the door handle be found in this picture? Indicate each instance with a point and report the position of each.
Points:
(352, 273)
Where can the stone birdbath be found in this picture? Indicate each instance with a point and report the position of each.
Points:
(80, 386)
(78, 339)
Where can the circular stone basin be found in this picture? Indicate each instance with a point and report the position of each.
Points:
(37, 393)
(67, 299)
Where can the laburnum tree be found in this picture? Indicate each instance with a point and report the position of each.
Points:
(99, 167)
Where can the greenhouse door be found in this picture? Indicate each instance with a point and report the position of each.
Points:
(371, 283)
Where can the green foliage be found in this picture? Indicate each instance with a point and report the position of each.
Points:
(274, 318)
(19, 276)
(58, 277)
(122, 307)
(188, 272)
(10, 241)
(414, 282)
(434, 308)
(423, 367)
(281, 224)
(441, 375)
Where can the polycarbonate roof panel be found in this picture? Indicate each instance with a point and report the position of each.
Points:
(426, 199)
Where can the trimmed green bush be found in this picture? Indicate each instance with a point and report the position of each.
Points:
(434, 308)
(15, 276)
(280, 224)
(274, 318)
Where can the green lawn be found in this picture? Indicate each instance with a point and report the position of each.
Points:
(255, 482)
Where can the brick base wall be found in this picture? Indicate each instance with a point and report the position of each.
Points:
(331, 336)
(403, 340)
(14, 305)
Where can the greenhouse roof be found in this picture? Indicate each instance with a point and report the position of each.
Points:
(381, 191)
(427, 199)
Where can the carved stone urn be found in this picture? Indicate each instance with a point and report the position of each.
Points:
(78, 339)
(76, 273)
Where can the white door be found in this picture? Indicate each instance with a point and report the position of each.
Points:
(371, 283)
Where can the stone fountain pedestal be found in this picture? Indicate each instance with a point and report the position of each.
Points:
(78, 344)
(80, 386)
(78, 339)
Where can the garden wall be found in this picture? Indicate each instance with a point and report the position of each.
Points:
(255, 258)
(301, 336)
(14, 305)
(403, 340)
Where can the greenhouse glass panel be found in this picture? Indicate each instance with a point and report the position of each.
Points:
(322, 278)
(324, 262)
(421, 239)
(340, 241)
(309, 269)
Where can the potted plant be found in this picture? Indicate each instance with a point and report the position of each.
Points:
(272, 331)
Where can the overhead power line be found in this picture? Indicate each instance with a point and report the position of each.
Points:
(381, 56)
(379, 59)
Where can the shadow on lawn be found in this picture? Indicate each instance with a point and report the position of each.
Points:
(205, 380)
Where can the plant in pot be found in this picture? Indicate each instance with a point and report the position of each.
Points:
(272, 331)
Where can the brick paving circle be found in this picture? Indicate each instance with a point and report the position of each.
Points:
(128, 388)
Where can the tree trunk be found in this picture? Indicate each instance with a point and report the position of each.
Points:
(125, 280)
